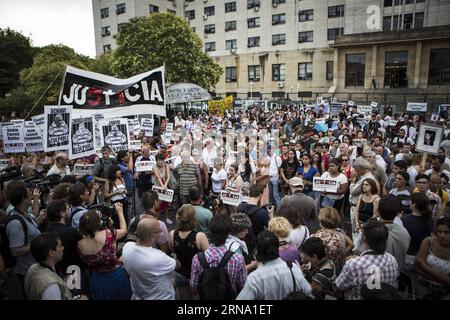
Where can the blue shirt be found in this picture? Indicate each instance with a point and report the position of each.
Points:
(308, 176)
(127, 176)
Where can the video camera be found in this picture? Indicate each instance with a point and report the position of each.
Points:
(10, 173)
(42, 182)
(107, 211)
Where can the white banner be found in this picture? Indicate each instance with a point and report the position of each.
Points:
(83, 138)
(350, 103)
(146, 165)
(13, 139)
(81, 169)
(417, 106)
(147, 124)
(374, 104)
(57, 121)
(135, 145)
(164, 194)
(231, 198)
(364, 109)
(325, 184)
(34, 142)
(114, 133)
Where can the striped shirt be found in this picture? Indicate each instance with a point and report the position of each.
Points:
(187, 176)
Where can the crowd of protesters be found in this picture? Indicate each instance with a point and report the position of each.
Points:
(384, 233)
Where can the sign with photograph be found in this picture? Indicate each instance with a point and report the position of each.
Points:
(83, 135)
(13, 139)
(230, 198)
(81, 169)
(434, 117)
(417, 106)
(114, 133)
(145, 165)
(429, 138)
(325, 184)
(164, 194)
(57, 121)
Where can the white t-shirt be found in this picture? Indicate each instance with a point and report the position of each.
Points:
(150, 271)
(298, 236)
(341, 179)
(217, 178)
(275, 164)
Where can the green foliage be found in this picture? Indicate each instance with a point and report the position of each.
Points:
(102, 64)
(16, 100)
(146, 43)
(16, 53)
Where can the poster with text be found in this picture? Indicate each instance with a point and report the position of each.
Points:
(147, 124)
(13, 140)
(230, 198)
(325, 184)
(164, 194)
(81, 169)
(57, 121)
(34, 141)
(83, 137)
(114, 133)
(39, 120)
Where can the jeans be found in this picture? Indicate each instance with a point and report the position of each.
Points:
(273, 193)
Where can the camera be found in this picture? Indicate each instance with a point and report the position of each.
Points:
(106, 211)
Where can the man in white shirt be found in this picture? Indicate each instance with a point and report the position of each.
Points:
(402, 138)
(275, 164)
(61, 165)
(150, 269)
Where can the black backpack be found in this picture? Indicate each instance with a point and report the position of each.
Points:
(8, 258)
(214, 282)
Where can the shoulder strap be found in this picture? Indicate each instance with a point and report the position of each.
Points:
(22, 221)
(73, 214)
(289, 264)
(225, 258)
(202, 260)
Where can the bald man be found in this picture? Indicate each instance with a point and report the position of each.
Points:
(150, 269)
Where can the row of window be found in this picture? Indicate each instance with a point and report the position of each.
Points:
(277, 39)
(390, 3)
(395, 70)
(405, 22)
(121, 8)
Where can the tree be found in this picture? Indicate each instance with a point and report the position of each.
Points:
(16, 100)
(146, 43)
(47, 70)
(102, 64)
(16, 53)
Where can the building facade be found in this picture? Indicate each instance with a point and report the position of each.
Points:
(362, 50)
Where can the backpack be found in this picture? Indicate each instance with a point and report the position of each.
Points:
(214, 282)
(10, 286)
(9, 259)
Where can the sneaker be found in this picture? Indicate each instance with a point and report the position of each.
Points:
(168, 221)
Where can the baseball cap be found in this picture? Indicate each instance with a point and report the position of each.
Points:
(296, 182)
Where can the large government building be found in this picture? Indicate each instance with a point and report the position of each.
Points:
(364, 50)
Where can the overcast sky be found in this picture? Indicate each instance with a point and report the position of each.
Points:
(52, 22)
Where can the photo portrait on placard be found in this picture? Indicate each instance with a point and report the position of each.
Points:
(429, 138)
(57, 121)
(115, 134)
(83, 137)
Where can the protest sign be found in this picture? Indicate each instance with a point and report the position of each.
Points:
(83, 135)
(29, 124)
(57, 120)
(364, 109)
(114, 133)
(325, 184)
(147, 125)
(81, 169)
(135, 145)
(350, 103)
(145, 165)
(13, 139)
(374, 104)
(34, 142)
(39, 120)
(434, 117)
(90, 92)
(97, 131)
(18, 122)
(164, 194)
(393, 123)
(186, 92)
(416, 106)
(4, 163)
(231, 198)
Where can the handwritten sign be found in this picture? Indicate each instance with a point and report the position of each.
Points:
(325, 184)
(230, 198)
(164, 194)
(81, 169)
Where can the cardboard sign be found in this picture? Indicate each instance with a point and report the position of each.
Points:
(146, 165)
(135, 145)
(169, 129)
(13, 139)
(164, 194)
(325, 184)
(80, 169)
(231, 198)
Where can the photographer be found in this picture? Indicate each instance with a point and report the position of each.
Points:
(115, 190)
(109, 280)
(78, 198)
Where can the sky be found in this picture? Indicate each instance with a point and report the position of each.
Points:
(52, 22)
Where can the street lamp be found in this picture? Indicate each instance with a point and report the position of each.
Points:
(251, 84)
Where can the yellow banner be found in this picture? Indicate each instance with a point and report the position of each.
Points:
(219, 106)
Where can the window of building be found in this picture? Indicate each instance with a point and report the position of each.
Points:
(395, 69)
(355, 70)
(398, 2)
(254, 73)
(171, 11)
(306, 15)
(278, 72)
(231, 74)
(230, 25)
(253, 22)
(278, 1)
(254, 94)
(120, 27)
(278, 19)
(253, 42)
(230, 7)
(104, 13)
(106, 48)
(190, 14)
(408, 21)
(210, 11)
(336, 11)
(278, 39)
(388, 3)
(231, 44)
(330, 68)
(305, 71)
(234, 94)
(334, 33)
(121, 8)
(305, 94)
(210, 46)
(439, 73)
(305, 36)
(278, 94)
(396, 22)
(253, 3)
(387, 23)
(419, 1)
(106, 31)
(418, 20)
(153, 9)
(210, 28)
(409, 1)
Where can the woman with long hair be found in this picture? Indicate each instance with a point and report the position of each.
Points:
(114, 190)
(288, 169)
(335, 200)
(318, 163)
(308, 172)
(368, 202)
(161, 179)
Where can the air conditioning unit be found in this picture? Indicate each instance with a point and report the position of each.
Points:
(205, 17)
(233, 51)
(280, 84)
(256, 9)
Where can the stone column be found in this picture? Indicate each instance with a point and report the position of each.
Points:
(417, 64)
